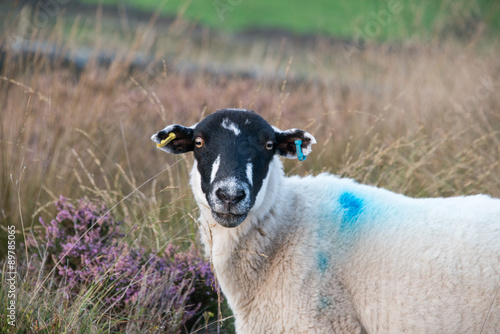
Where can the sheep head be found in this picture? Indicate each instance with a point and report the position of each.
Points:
(233, 149)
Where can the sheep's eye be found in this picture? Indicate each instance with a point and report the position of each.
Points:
(269, 145)
(198, 142)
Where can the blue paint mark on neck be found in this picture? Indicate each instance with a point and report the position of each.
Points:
(324, 302)
(351, 208)
(323, 261)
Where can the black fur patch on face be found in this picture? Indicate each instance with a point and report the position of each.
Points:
(237, 138)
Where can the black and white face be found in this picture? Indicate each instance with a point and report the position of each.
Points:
(233, 149)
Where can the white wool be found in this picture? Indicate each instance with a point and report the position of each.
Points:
(328, 255)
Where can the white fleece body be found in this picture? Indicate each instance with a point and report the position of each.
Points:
(327, 255)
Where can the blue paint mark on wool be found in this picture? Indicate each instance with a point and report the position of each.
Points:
(351, 208)
(324, 302)
(323, 261)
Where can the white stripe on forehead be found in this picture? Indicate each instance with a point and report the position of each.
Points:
(227, 124)
(250, 173)
(234, 109)
(215, 168)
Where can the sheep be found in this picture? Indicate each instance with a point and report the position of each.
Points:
(323, 254)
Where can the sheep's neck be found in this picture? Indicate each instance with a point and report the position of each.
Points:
(241, 256)
(244, 271)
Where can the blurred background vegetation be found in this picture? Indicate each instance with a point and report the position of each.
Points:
(336, 19)
(400, 94)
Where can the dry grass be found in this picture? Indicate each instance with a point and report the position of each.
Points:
(420, 120)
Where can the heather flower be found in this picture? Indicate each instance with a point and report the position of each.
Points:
(85, 244)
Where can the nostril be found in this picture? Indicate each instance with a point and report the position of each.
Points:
(228, 198)
(240, 195)
(221, 195)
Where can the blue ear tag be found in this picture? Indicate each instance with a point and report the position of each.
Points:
(300, 155)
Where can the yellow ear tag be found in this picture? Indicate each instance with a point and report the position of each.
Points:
(171, 136)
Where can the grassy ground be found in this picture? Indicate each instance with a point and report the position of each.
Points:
(417, 118)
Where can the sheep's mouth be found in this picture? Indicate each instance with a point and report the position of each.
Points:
(229, 219)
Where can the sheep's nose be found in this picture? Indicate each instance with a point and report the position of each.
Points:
(230, 197)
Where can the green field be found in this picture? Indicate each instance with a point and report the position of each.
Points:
(373, 19)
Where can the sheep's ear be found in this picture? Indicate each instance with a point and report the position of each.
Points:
(286, 142)
(175, 139)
